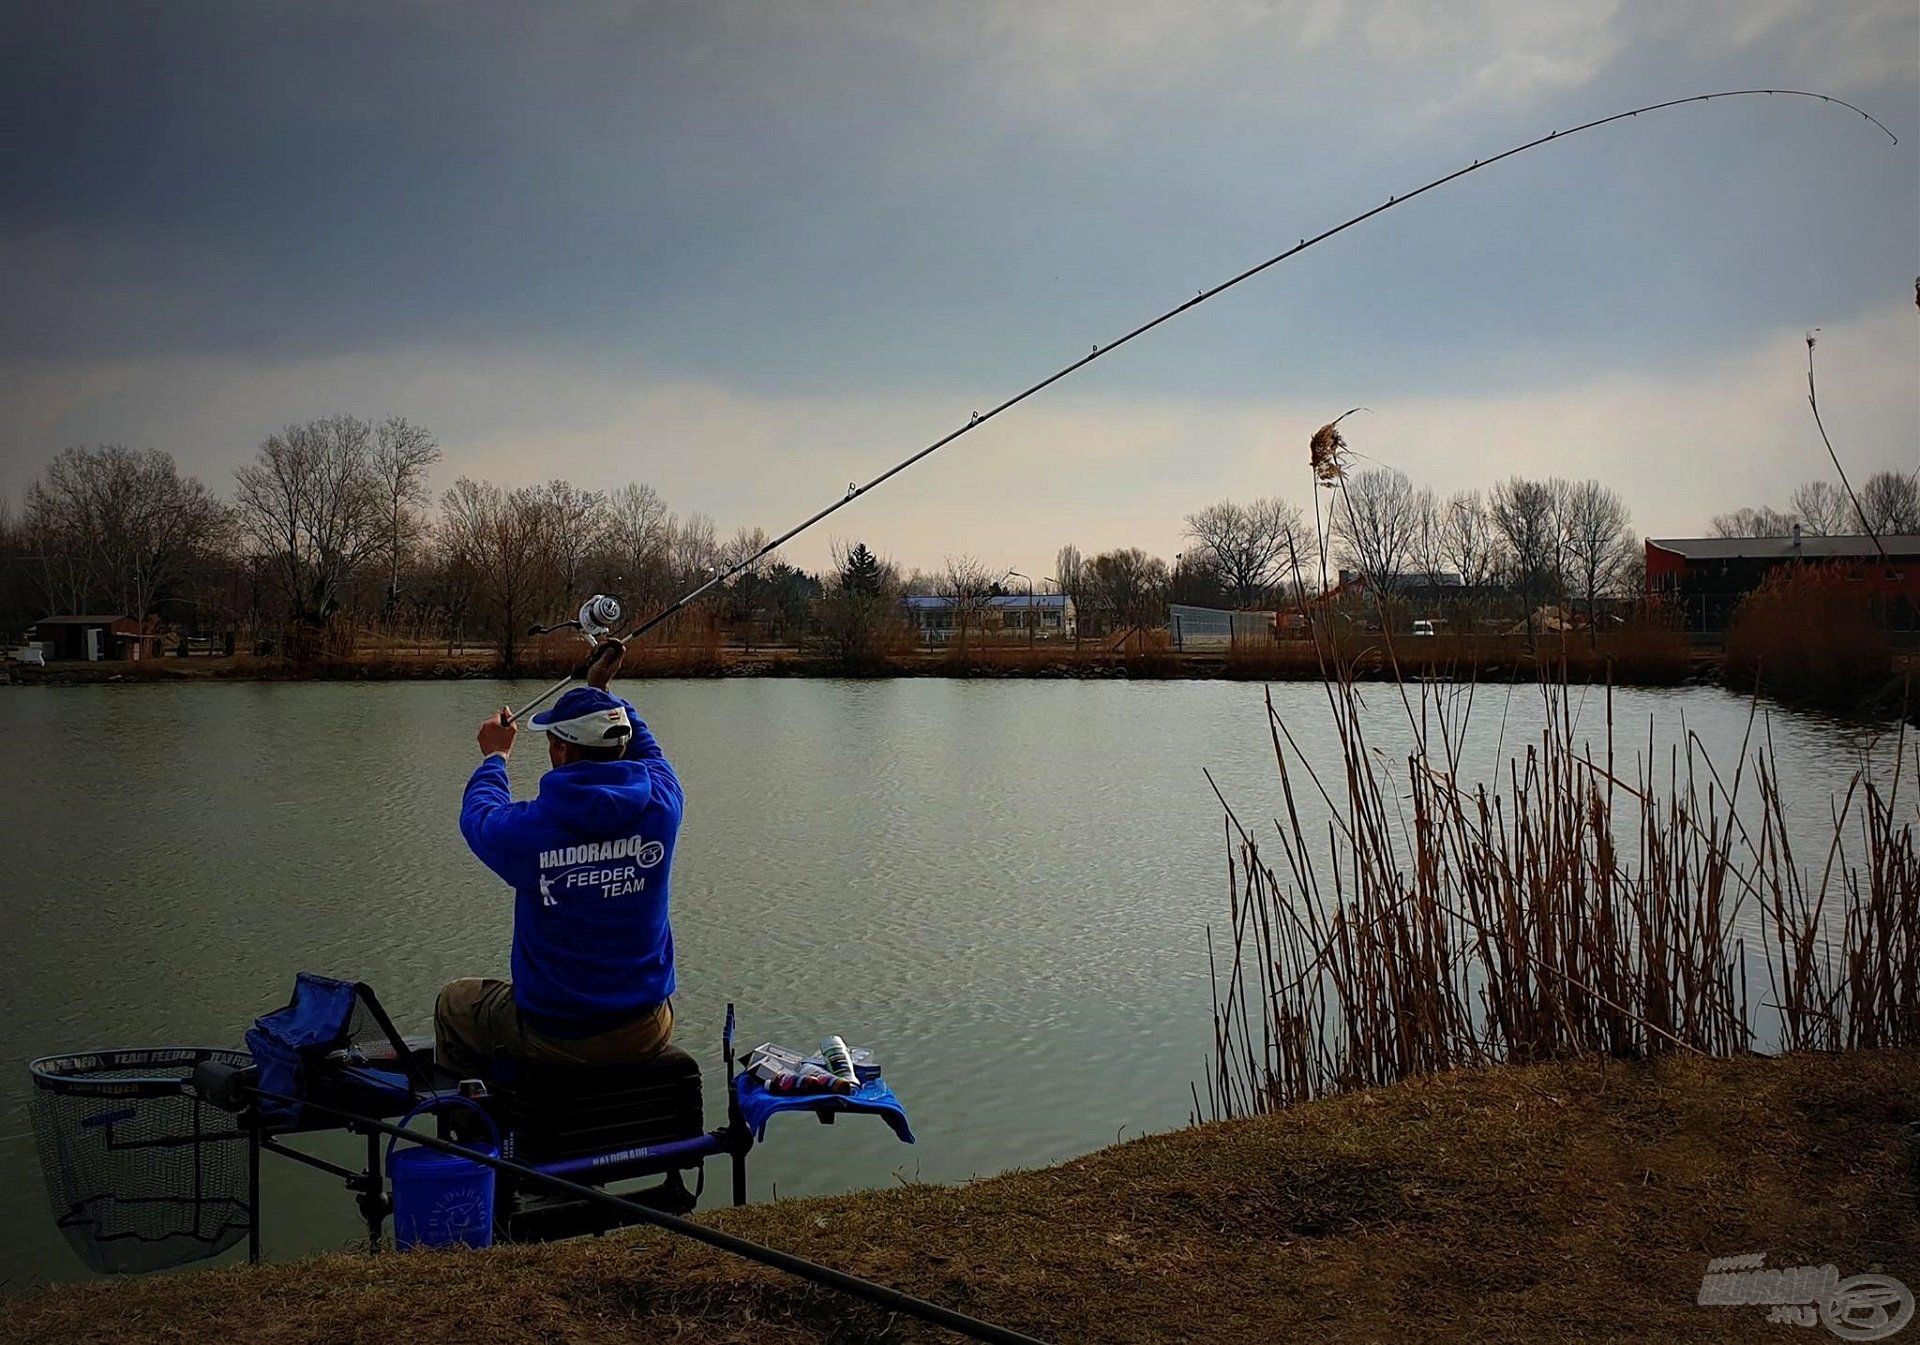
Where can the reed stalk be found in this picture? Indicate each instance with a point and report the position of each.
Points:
(1568, 909)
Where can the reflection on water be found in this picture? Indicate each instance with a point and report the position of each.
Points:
(1002, 887)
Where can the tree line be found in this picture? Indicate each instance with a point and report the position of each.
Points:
(1376, 539)
(334, 529)
(1886, 503)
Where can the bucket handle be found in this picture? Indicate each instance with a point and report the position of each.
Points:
(432, 1102)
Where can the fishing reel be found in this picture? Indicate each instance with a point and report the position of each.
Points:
(598, 616)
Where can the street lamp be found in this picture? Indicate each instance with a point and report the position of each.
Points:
(1031, 626)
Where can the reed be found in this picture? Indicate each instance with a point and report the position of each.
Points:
(1577, 907)
(1809, 631)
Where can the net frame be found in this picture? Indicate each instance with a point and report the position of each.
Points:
(160, 1179)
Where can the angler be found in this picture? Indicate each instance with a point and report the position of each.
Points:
(589, 861)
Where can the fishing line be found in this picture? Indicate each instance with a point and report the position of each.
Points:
(979, 418)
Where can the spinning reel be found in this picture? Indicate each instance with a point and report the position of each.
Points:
(598, 616)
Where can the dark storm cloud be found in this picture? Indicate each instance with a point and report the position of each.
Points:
(916, 205)
(793, 193)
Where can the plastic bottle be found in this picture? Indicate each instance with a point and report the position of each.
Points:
(839, 1061)
(810, 1079)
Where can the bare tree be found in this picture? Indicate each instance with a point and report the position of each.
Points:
(1376, 522)
(692, 549)
(1595, 522)
(311, 503)
(1891, 502)
(745, 544)
(1526, 516)
(63, 532)
(402, 453)
(1070, 573)
(1470, 544)
(1253, 546)
(746, 592)
(1765, 521)
(1471, 540)
(637, 537)
(577, 523)
(119, 526)
(1195, 579)
(500, 539)
(1130, 587)
(20, 599)
(968, 586)
(1823, 509)
(1428, 550)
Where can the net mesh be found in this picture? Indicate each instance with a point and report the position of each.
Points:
(141, 1175)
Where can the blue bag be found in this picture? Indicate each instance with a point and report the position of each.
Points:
(286, 1042)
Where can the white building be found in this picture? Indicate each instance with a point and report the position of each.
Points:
(1042, 616)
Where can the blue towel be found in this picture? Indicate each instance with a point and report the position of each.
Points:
(873, 1097)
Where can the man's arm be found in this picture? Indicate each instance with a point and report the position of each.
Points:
(600, 670)
(488, 800)
(642, 745)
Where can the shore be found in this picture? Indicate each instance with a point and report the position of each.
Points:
(1578, 1201)
(1629, 662)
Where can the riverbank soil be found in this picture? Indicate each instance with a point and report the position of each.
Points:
(1577, 1201)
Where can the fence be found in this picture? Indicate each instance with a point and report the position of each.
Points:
(1217, 628)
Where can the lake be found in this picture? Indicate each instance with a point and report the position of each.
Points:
(1003, 887)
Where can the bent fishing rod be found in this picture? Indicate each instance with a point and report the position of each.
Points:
(855, 490)
(871, 1291)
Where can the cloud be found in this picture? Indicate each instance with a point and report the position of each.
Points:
(1838, 47)
(749, 253)
(1103, 470)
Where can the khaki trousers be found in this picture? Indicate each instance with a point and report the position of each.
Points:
(475, 1020)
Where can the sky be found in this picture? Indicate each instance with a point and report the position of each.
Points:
(749, 253)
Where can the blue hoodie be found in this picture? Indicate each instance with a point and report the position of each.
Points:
(588, 861)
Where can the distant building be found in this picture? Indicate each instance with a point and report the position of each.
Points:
(1047, 615)
(1441, 597)
(1704, 578)
(91, 637)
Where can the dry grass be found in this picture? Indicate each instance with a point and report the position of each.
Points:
(1637, 655)
(1576, 1201)
(1808, 631)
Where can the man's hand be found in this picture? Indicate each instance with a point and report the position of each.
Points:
(605, 663)
(497, 733)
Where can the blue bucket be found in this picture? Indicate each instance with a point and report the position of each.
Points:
(442, 1199)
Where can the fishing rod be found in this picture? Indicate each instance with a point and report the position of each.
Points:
(894, 1300)
(855, 490)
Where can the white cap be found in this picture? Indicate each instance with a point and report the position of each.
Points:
(592, 719)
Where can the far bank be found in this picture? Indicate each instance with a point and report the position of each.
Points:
(1622, 660)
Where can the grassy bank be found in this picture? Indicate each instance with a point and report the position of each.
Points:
(1576, 1201)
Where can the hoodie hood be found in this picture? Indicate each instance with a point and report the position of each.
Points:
(597, 798)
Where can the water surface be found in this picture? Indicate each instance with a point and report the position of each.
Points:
(1003, 887)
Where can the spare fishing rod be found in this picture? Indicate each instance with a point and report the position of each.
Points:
(855, 491)
(870, 1291)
